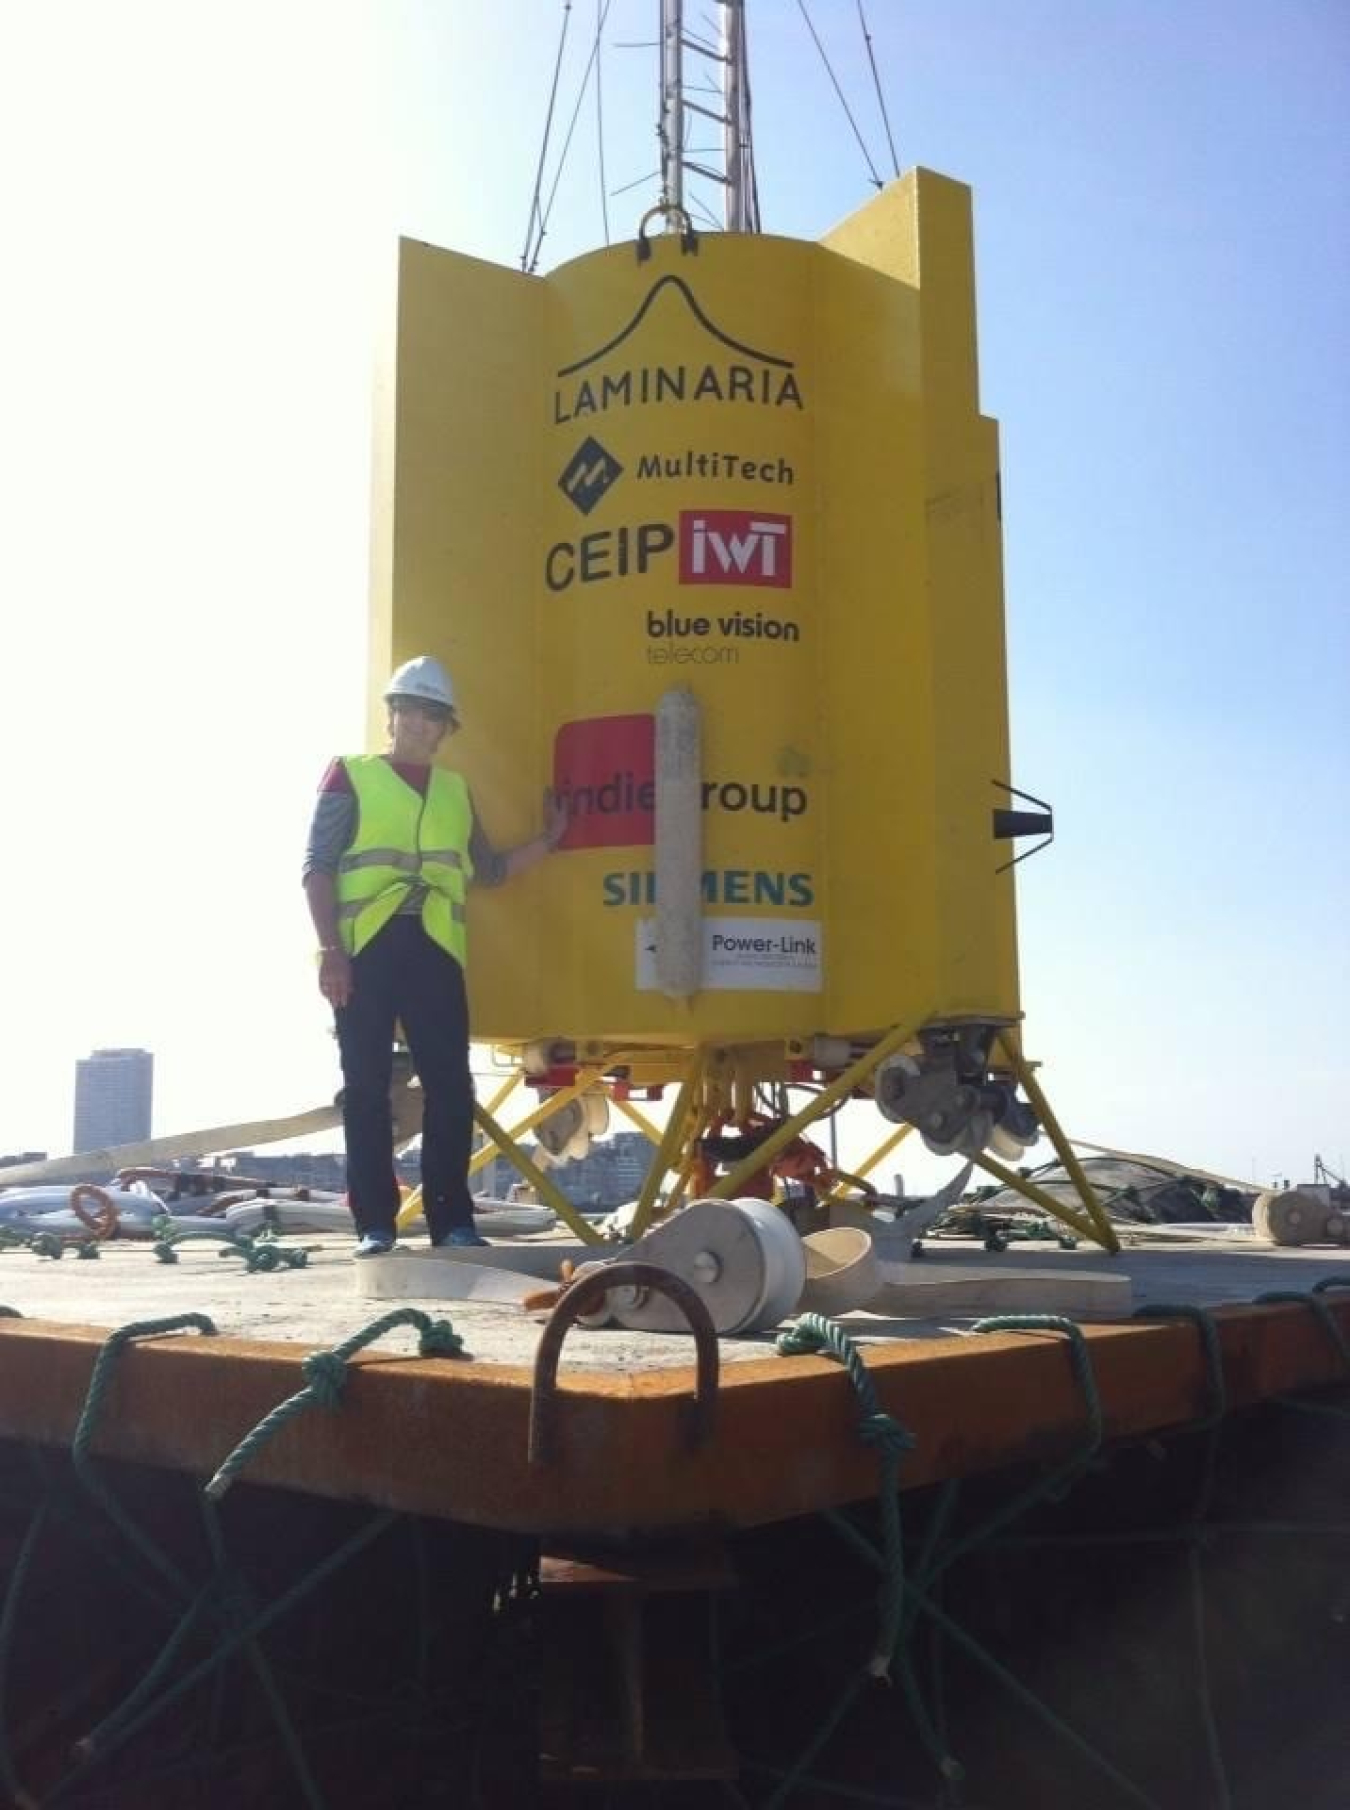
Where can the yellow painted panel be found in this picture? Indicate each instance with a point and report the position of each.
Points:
(757, 473)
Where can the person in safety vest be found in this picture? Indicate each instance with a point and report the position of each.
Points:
(393, 845)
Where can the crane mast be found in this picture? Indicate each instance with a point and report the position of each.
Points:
(730, 164)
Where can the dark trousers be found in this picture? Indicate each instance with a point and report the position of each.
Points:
(401, 974)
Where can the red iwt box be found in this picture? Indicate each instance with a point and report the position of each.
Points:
(735, 546)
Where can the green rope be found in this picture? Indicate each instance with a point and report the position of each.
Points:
(1318, 1306)
(814, 1334)
(1169, 1536)
(1040, 1710)
(849, 1794)
(1196, 1530)
(949, 1768)
(1213, 1745)
(796, 1775)
(240, 1608)
(8, 1617)
(1325, 1409)
(926, 1568)
(1071, 1469)
(1208, 1330)
(99, 1382)
(262, 1253)
(188, 1680)
(792, 1643)
(93, 1745)
(1212, 1422)
(325, 1375)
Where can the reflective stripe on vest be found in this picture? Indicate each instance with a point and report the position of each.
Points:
(404, 841)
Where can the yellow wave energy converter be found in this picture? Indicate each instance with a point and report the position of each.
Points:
(708, 534)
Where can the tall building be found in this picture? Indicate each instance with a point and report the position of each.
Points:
(113, 1091)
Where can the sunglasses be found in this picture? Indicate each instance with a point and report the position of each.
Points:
(435, 713)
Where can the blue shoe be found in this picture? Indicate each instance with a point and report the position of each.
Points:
(461, 1238)
(374, 1244)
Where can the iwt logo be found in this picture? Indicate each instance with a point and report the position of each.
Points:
(735, 546)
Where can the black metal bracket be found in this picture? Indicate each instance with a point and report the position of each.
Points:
(1009, 824)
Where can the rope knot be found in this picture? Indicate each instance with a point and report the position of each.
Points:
(439, 1339)
(884, 1432)
(325, 1372)
(799, 1340)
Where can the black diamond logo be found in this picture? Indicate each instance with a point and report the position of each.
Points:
(588, 474)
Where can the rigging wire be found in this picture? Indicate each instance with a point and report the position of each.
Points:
(702, 209)
(543, 148)
(567, 141)
(848, 111)
(747, 118)
(600, 124)
(876, 81)
(636, 183)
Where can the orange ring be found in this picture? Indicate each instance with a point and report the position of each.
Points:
(104, 1220)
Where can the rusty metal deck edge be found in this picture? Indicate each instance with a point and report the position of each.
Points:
(448, 1437)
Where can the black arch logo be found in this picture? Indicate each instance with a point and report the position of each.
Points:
(691, 302)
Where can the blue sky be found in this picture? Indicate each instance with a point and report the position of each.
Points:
(1164, 277)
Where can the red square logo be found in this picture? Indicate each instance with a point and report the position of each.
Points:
(604, 770)
(735, 546)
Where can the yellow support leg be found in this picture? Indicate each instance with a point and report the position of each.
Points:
(1103, 1232)
(672, 1140)
(1079, 1222)
(504, 1092)
(411, 1207)
(644, 1124)
(839, 1089)
(547, 1191)
(481, 1158)
(882, 1150)
(545, 1110)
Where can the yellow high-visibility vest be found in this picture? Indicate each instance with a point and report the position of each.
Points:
(404, 841)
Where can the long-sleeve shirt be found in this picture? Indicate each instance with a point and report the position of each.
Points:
(333, 826)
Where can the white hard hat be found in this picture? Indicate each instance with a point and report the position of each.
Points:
(424, 678)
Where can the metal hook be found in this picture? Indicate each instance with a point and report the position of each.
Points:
(588, 1293)
(666, 210)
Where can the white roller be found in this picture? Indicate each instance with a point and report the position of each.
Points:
(743, 1258)
(679, 845)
